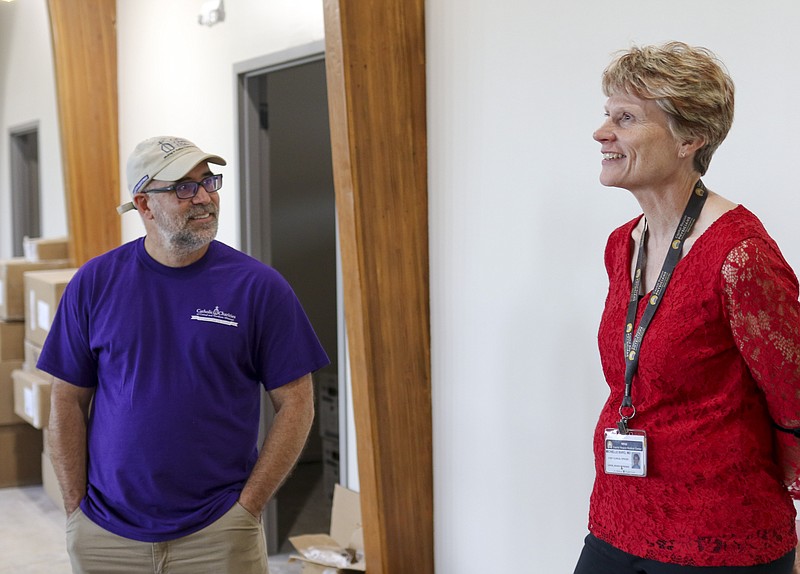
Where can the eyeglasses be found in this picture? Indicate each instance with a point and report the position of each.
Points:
(188, 189)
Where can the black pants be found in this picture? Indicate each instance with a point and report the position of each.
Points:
(599, 557)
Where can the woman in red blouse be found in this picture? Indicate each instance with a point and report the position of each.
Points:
(699, 343)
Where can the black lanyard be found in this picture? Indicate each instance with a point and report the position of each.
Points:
(634, 341)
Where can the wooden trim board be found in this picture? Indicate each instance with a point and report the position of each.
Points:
(85, 58)
(375, 58)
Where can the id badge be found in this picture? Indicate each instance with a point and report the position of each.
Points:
(626, 454)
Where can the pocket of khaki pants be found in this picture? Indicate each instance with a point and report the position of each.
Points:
(243, 510)
(74, 516)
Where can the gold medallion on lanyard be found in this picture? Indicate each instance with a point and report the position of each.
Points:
(626, 448)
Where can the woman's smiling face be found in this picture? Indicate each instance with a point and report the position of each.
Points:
(639, 149)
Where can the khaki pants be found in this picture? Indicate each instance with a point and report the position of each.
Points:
(234, 544)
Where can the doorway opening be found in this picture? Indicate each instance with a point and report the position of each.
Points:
(25, 194)
(288, 221)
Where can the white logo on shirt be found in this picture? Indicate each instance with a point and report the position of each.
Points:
(215, 316)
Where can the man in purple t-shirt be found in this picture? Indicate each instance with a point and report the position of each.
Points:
(159, 350)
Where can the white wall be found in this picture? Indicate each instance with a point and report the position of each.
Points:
(176, 77)
(518, 223)
(28, 95)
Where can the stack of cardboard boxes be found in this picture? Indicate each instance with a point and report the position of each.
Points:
(30, 289)
(329, 430)
(19, 442)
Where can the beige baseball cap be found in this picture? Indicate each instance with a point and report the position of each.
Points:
(165, 158)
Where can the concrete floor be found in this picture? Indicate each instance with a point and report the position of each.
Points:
(32, 536)
(31, 533)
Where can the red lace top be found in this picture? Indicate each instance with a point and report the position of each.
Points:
(721, 356)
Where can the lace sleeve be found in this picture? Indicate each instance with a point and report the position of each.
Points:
(761, 299)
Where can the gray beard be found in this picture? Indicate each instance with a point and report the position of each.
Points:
(183, 240)
(186, 242)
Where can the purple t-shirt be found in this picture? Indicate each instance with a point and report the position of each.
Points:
(177, 357)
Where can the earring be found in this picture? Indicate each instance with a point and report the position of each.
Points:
(683, 154)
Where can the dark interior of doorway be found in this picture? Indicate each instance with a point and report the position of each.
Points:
(25, 210)
(290, 207)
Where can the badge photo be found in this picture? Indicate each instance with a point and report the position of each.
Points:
(625, 454)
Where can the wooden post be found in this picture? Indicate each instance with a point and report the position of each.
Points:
(85, 58)
(375, 59)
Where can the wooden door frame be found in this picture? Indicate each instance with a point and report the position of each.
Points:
(85, 58)
(375, 59)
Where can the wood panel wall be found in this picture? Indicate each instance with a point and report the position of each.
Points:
(85, 57)
(375, 58)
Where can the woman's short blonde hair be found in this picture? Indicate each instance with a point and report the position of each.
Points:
(689, 83)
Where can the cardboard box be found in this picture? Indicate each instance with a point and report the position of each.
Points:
(328, 405)
(12, 335)
(12, 287)
(32, 352)
(7, 415)
(343, 549)
(330, 466)
(50, 482)
(309, 568)
(44, 249)
(32, 397)
(21, 455)
(43, 290)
